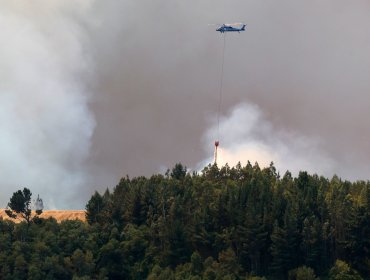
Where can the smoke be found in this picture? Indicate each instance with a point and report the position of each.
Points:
(303, 64)
(45, 123)
(246, 135)
(95, 90)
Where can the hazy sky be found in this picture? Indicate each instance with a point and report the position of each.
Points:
(93, 90)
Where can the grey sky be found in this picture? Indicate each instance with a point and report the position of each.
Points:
(96, 90)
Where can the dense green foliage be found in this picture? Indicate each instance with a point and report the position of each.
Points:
(228, 223)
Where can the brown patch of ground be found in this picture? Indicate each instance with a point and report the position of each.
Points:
(59, 215)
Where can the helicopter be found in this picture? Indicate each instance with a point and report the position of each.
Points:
(231, 27)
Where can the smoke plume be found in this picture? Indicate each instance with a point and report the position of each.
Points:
(45, 123)
(93, 90)
(247, 136)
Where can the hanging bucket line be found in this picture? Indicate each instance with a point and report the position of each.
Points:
(221, 88)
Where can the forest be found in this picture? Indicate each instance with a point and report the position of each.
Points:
(231, 223)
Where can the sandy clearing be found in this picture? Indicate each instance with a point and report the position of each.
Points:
(59, 215)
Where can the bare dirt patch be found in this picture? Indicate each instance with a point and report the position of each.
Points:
(59, 215)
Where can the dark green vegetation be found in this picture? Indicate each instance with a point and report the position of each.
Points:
(20, 206)
(228, 223)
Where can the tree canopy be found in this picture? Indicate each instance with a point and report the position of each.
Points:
(20, 206)
(242, 222)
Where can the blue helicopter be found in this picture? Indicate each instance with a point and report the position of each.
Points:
(231, 27)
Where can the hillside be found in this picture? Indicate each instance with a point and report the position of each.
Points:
(224, 223)
(59, 215)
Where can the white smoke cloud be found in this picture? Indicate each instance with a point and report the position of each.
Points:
(154, 67)
(246, 135)
(45, 123)
(304, 63)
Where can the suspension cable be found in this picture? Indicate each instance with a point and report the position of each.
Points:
(217, 142)
(221, 88)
